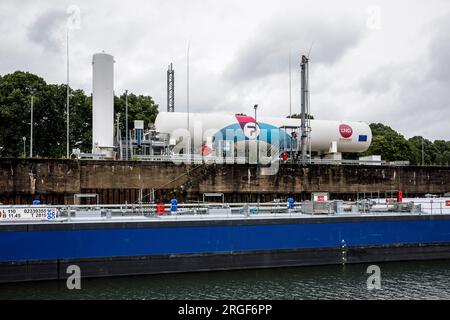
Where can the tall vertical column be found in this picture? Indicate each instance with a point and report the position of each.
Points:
(170, 89)
(103, 104)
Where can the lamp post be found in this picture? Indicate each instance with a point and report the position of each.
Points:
(188, 84)
(31, 125)
(126, 124)
(423, 154)
(24, 146)
(68, 102)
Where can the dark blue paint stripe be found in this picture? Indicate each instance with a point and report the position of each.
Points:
(45, 245)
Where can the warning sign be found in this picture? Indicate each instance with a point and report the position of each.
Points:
(320, 196)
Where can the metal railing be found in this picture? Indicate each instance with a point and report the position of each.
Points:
(244, 160)
(12, 214)
(197, 159)
(17, 214)
(428, 206)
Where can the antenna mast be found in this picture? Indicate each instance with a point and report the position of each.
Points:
(290, 85)
(68, 103)
(187, 93)
(170, 89)
(304, 106)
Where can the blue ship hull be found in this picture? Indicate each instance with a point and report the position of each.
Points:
(42, 251)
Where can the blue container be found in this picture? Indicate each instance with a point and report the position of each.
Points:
(174, 205)
(139, 136)
(290, 203)
(36, 202)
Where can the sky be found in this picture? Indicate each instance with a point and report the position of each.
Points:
(372, 61)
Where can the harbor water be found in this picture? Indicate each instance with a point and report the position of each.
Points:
(402, 280)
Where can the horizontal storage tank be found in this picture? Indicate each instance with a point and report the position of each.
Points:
(347, 136)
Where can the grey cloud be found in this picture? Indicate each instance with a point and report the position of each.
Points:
(268, 52)
(48, 30)
(411, 102)
(231, 74)
(384, 79)
(418, 90)
(439, 51)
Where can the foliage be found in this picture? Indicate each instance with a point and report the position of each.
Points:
(50, 123)
(393, 146)
(299, 116)
(139, 108)
(434, 153)
(49, 130)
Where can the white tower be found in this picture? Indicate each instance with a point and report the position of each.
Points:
(103, 104)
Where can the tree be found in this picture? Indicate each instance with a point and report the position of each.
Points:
(15, 102)
(140, 107)
(81, 121)
(299, 116)
(435, 153)
(391, 145)
(50, 116)
(443, 152)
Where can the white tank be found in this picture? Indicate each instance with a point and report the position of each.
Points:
(103, 104)
(326, 135)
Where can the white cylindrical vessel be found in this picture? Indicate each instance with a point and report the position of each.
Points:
(348, 136)
(103, 104)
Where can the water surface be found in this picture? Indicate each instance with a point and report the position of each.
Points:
(405, 280)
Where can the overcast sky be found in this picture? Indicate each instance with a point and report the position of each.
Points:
(374, 61)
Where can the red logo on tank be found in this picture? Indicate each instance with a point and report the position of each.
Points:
(345, 130)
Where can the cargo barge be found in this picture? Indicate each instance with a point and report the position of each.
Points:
(136, 241)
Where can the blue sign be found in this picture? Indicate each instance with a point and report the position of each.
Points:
(51, 214)
(362, 138)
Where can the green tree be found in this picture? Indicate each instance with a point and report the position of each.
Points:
(50, 116)
(443, 152)
(299, 116)
(391, 145)
(434, 153)
(15, 110)
(81, 121)
(140, 107)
